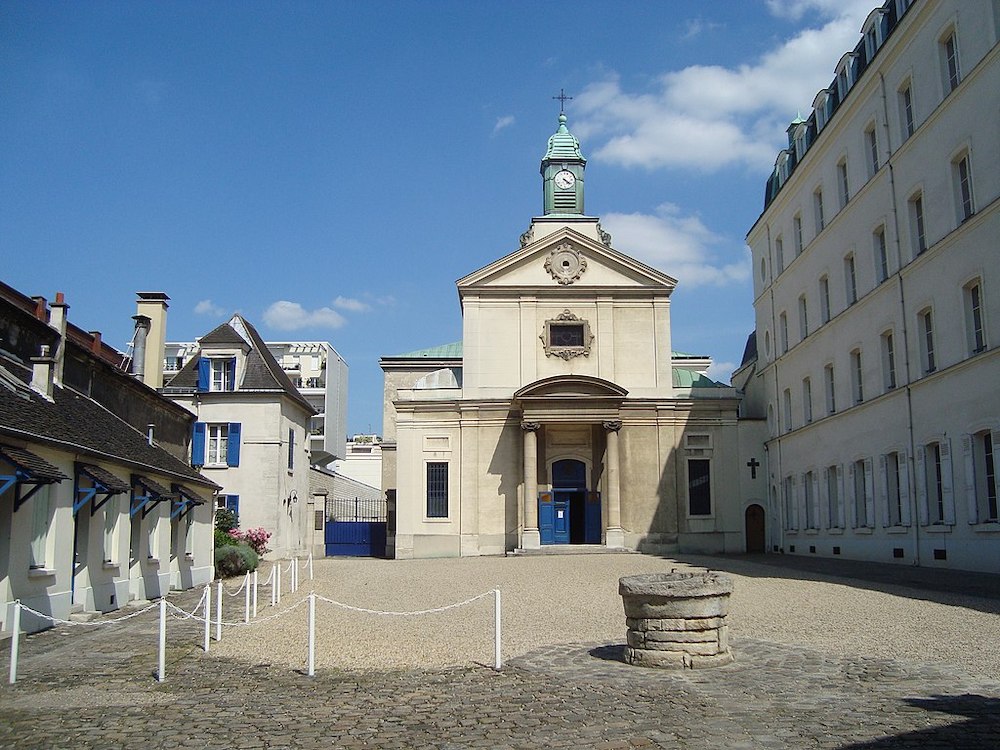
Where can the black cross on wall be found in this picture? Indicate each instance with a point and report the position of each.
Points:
(753, 463)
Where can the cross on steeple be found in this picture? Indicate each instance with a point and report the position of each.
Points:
(562, 100)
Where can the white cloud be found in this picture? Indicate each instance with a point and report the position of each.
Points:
(503, 122)
(721, 371)
(695, 26)
(681, 246)
(705, 117)
(207, 307)
(348, 303)
(291, 316)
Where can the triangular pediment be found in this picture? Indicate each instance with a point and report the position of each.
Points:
(566, 259)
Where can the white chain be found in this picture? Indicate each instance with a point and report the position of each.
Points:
(186, 615)
(403, 614)
(237, 592)
(57, 621)
(240, 623)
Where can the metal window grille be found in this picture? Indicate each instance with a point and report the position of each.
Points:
(437, 490)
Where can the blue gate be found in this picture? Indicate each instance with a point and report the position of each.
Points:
(355, 527)
(569, 514)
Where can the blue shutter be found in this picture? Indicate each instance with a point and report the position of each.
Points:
(291, 449)
(233, 504)
(198, 445)
(204, 374)
(233, 447)
(232, 374)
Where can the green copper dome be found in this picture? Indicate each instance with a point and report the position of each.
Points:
(563, 144)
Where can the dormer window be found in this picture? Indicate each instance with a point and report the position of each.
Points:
(872, 31)
(800, 142)
(821, 108)
(845, 74)
(217, 374)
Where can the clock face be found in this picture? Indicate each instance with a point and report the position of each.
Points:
(565, 179)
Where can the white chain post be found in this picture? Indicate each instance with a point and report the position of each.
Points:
(218, 611)
(312, 634)
(277, 582)
(161, 672)
(496, 628)
(15, 641)
(255, 594)
(246, 598)
(310, 566)
(208, 614)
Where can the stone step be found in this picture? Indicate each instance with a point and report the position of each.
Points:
(573, 549)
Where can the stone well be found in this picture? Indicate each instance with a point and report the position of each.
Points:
(677, 619)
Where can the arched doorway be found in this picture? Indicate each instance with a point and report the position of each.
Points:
(754, 517)
(569, 514)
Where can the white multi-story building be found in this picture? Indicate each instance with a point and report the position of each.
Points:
(362, 461)
(319, 373)
(877, 299)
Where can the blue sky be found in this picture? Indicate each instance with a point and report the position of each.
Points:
(329, 169)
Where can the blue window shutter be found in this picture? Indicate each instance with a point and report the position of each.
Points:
(232, 374)
(291, 449)
(233, 447)
(198, 445)
(204, 374)
(233, 503)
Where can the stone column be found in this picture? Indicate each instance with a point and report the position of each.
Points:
(530, 538)
(615, 535)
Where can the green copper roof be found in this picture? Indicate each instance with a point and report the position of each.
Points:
(677, 355)
(563, 144)
(690, 379)
(445, 351)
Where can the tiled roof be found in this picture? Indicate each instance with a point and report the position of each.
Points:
(154, 487)
(223, 334)
(27, 461)
(86, 427)
(109, 480)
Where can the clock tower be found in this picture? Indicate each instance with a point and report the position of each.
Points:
(562, 173)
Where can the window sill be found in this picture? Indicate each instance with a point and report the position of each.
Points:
(215, 466)
(866, 530)
(836, 531)
(812, 532)
(41, 572)
(108, 565)
(153, 562)
(437, 520)
(989, 527)
(937, 528)
(898, 530)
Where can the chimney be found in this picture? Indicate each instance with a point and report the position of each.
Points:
(95, 344)
(139, 342)
(149, 433)
(153, 305)
(41, 373)
(57, 319)
(41, 311)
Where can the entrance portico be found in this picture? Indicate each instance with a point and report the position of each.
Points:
(570, 407)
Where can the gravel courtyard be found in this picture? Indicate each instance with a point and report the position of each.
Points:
(557, 599)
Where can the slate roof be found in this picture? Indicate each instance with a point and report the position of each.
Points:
(262, 373)
(109, 480)
(35, 465)
(750, 350)
(77, 423)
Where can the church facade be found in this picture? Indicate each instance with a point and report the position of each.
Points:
(563, 416)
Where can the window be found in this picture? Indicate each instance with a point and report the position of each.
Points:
(791, 507)
(881, 255)
(803, 317)
(831, 393)
(818, 208)
(926, 328)
(787, 404)
(291, 449)
(975, 332)
(111, 515)
(906, 110)
(834, 508)
(40, 525)
(982, 455)
(850, 280)
(894, 490)
(861, 484)
(807, 406)
(871, 144)
(824, 299)
(809, 496)
(216, 444)
(699, 487)
(857, 377)
(934, 474)
(845, 194)
(888, 361)
(223, 371)
(783, 331)
(918, 238)
(437, 489)
(952, 69)
(779, 253)
(567, 336)
(797, 233)
(189, 534)
(963, 188)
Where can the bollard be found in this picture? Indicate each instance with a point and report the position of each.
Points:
(246, 599)
(312, 634)
(161, 672)
(218, 611)
(496, 628)
(277, 583)
(310, 566)
(208, 614)
(273, 586)
(255, 594)
(15, 640)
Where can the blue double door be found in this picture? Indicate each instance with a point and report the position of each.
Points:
(569, 513)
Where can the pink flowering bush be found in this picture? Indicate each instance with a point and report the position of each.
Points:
(256, 539)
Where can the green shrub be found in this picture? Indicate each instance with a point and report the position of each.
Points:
(226, 519)
(223, 539)
(235, 560)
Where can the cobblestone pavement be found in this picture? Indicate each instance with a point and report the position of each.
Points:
(95, 688)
